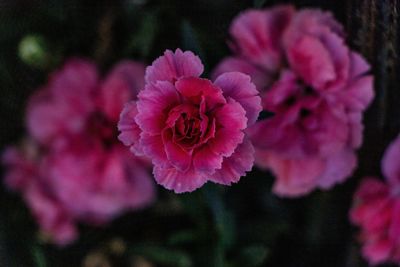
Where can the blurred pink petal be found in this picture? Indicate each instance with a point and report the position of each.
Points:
(74, 169)
(259, 76)
(390, 164)
(257, 34)
(373, 211)
(376, 210)
(53, 219)
(240, 88)
(124, 81)
(314, 88)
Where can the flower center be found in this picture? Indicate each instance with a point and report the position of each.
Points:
(190, 128)
(100, 125)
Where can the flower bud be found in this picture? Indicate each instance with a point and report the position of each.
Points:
(34, 50)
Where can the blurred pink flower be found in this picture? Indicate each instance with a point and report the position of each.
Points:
(315, 89)
(74, 169)
(191, 128)
(376, 210)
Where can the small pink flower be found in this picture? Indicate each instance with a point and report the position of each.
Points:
(376, 210)
(191, 129)
(315, 89)
(74, 169)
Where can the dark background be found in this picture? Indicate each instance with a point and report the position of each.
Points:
(243, 225)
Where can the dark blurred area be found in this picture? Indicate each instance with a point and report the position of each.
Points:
(242, 225)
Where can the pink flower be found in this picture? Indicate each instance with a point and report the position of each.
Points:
(191, 129)
(314, 88)
(74, 169)
(376, 210)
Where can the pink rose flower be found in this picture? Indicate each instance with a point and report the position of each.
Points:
(314, 88)
(74, 169)
(376, 210)
(191, 129)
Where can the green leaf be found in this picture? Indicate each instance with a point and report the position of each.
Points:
(259, 3)
(223, 218)
(194, 206)
(190, 40)
(163, 256)
(253, 256)
(183, 237)
(38, 256)
(142, 40)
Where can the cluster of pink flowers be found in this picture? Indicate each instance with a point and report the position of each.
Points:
(315, 89)
(293, 65)
(72, 168)
(191, 129)
(376, 210)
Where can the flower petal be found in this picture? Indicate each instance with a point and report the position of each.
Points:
(53, 219)
(153, 106)
(312, 61)
(390, 163)
(177, 157)
(231, 120)
(178, 181)
(294, 177)
(194, 89)
(206, 161)
(239, 87)
(257, 35)
(121, 85)
(130, 131)
(339, 166)
(235, 166)
(153, 148)
(174, 65)
(260, 77)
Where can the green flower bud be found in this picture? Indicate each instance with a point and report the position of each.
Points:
(35, 51)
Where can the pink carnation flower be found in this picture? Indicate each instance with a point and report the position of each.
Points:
(73, 168)
(191, 129)
(376, 210)
(315, 89)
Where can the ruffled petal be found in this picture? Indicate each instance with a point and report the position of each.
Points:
(154, 104)
(257, 35)
(232, 120)
(294, 177)
(359, 94)
(311, 60)
(235, 166)
(49, 118)
(260, 77)
(239, 87)
(174, 65)
(130, 131)
(178, 157)
(53, 219)
(178, 181)
(121, 85)
(390, 163)
(206, 161)
(195, 89)
(153, 148)
(339, 166)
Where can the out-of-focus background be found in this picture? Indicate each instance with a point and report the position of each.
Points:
(242, 225)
